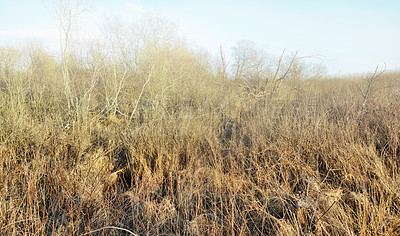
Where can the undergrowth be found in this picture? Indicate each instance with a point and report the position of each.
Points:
(200, 155)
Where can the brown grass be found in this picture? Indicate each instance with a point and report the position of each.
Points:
(204, 156)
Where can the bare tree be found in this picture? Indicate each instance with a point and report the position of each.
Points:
(128, 39)
(223, 66)
(144, 49)
(67, 14)
(250, 62)
(243, 55)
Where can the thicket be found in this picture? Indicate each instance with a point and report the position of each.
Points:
(150, 137)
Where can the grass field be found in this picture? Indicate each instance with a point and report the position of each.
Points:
(169, 147)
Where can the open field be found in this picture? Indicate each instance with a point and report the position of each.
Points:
(204, 155)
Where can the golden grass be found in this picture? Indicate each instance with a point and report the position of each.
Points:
(204, 156)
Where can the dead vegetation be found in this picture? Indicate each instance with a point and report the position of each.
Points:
(167, 145)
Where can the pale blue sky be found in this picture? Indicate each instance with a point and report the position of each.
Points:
(355, 36)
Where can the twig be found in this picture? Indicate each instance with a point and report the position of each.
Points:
(279, 65)
(289, 67)
(19, 221)
(325, 213)
(110, 227)
(140, 95)
(366, 93)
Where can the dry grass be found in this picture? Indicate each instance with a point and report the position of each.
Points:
(204, 156)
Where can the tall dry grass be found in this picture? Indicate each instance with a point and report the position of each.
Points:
(204, 155)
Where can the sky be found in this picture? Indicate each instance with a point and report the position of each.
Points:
(353, 36)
